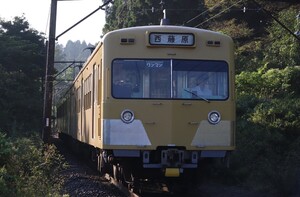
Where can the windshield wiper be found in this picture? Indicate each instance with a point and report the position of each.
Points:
(198, 96)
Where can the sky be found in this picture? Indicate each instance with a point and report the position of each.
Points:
(37, 13)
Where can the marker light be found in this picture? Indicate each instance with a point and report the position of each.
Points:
(214, 117)
(127, 116)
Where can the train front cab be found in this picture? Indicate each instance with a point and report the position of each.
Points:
(153, 111)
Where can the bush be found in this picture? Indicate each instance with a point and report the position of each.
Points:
(268, 141)
(268, 144)
(267, 156)
(30, 168)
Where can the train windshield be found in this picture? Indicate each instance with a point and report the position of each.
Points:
(170, 79)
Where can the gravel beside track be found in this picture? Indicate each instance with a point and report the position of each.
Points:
(81, 180)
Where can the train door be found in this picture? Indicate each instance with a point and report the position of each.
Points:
(98, 98)
(81, 110)
(78, 113)
(95, 99)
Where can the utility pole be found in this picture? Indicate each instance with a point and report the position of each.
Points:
(47, 112)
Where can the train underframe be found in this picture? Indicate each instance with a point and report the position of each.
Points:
(169, 161)
(174, 165)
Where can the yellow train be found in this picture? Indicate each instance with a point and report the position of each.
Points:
(154, 98)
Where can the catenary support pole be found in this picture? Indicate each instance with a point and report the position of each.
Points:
(47, 112)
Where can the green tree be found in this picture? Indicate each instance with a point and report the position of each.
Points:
(22, 60)
(282, 49)
(268, 106)
(131, 13)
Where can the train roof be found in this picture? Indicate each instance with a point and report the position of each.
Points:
(162, 28)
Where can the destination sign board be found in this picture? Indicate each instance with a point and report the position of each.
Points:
(173, 39)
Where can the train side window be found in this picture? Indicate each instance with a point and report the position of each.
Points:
(87, 91)
(78, 95)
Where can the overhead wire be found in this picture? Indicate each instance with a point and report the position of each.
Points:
(203, 12)
(219, 13)
(48, 21)
(99, 8)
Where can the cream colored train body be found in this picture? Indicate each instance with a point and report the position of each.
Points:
(137, 98)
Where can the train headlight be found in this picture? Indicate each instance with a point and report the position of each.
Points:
(214, 117)
(127, 116)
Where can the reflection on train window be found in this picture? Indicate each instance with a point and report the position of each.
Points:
(169, 79)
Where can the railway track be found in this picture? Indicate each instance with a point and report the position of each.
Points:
(81, 180)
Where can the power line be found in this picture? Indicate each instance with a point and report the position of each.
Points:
(48, 19)
(278, 21)
(219, 13)
(67, 67)
(203, 13)
(93, 12)
(48, 91)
